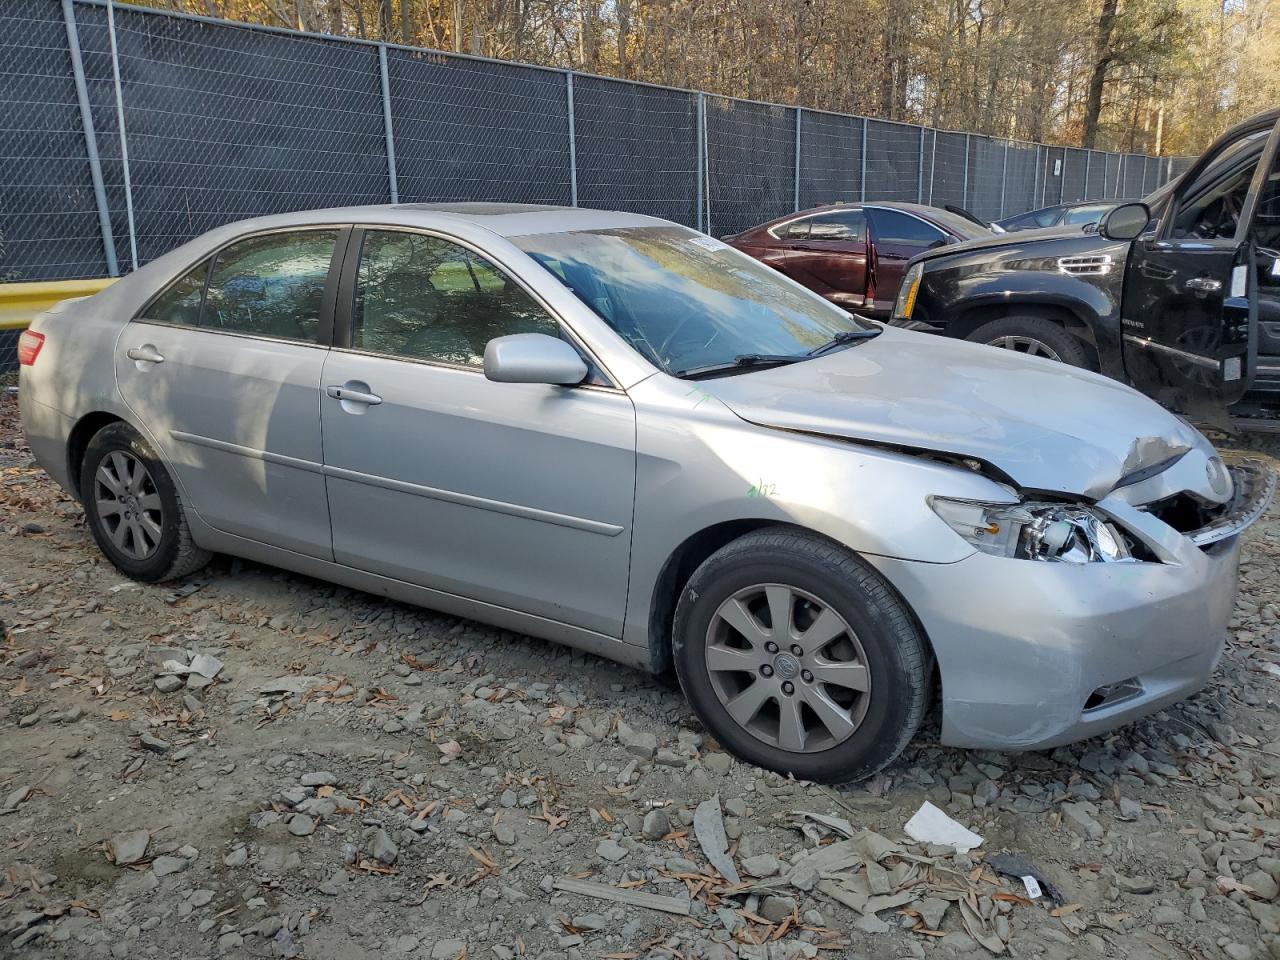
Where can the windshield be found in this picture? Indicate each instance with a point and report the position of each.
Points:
(684, 300)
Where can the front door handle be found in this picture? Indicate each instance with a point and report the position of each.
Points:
(144, 354)
(349, 393)
(1204, 285)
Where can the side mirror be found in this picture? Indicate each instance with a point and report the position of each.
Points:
(1125, 222)
(533, 358)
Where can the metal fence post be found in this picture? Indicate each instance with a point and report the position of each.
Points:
(124, 139)
(920, 170)
(1035, 182)
(933, 165)
(1004, 178)
(862, 179)
(964, 195)
(699, 133)
(706, 158)
(90, 140)
(392, 182)
(1120, 176)
(1088, 162)
(573, 141)
(1062, 179)
(796, 198)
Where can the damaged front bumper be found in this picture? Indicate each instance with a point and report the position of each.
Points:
(1254, 489)
(1033, 655)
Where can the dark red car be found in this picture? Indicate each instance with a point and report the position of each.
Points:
(854, 254)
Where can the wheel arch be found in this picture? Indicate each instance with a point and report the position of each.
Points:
(78, 439)
(1074, 319)
(695, 549)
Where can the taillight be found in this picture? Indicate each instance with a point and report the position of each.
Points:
(29, 345)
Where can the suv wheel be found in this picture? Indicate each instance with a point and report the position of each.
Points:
(1034, 336)
(134, 510)
(799, 658)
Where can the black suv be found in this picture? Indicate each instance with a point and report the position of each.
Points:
(1178, 295)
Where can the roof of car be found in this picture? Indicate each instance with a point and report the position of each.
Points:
(920, 209)
(504, 219)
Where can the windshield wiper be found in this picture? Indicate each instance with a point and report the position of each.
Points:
(740, 362)
(845, 337)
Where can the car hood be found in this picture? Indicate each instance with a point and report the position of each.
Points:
(1014, 238)
(1047, 426)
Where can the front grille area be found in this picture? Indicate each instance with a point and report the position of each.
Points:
(1184, 512)
(1205, 524)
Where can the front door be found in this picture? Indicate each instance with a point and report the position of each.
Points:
(223, 368)
(1190, 306)
(518, 495)
(896, 237)
(831, 257)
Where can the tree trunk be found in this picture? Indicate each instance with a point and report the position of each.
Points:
(1098, 78)
(624, 34)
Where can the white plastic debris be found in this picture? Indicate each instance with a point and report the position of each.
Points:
(206, 665)
(931, 825)
(708, 827)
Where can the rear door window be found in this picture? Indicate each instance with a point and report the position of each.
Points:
(180, 304)
(270, 285)
(845, 225)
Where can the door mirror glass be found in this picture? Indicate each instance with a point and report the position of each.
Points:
(533, 358)
(1125, 222)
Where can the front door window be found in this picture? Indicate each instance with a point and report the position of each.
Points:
(426, 298)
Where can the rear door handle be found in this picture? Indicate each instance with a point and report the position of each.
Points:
(351, 395)
(145, 354)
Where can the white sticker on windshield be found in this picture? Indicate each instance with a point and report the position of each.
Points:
(709, 243)
(1238, 278)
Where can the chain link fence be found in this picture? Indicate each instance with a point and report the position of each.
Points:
(126, 132)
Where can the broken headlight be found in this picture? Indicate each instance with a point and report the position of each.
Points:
(1056, 532)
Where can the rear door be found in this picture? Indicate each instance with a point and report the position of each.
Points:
(896, 237)
(223, 369)
(1191, 296)
(830, 256)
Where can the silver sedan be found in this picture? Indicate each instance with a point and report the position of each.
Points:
(613, 432)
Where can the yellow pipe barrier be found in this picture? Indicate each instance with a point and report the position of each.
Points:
(20, 303)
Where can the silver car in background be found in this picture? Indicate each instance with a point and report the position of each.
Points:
(616, 433)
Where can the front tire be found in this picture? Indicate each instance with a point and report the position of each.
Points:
(1034, 336)
(134, 509)
(836, 693)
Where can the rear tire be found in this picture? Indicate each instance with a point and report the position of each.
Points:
(1035, 336)
(840, 709)
(134, 509)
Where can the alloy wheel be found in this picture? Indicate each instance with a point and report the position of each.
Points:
(1028, 345)
(128, 504)
(787, 668)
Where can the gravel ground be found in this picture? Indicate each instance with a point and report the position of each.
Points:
(251, 763)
